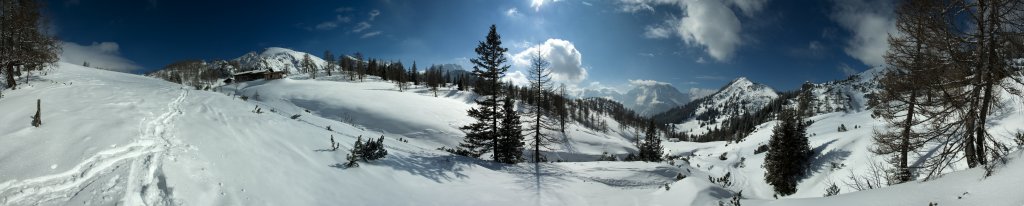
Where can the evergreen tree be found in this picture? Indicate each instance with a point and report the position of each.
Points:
(355, 154)
(414, 76)
(650, 148)
(489, 67)
(788, 153)
(509, 149)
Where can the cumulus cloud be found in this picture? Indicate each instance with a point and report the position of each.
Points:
(869, 21)
(104, 55)
(517, 78)
(709, 24)
(566, 62)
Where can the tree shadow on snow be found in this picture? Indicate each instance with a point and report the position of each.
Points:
(538, 177)
(821, 161)
(440, 169)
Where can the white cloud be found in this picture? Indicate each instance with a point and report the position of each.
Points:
(330, 25)
(566, 61)
(373, 14)
(513, 12)
(104, 55)
(536, 4)
(749, 7)
(697, 93)
(645, 82)
(709, 24)
(869, 21)
(370, 34)
(517, 78)
(657, 32)
(361, 26)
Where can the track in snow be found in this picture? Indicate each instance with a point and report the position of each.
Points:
(145, 181)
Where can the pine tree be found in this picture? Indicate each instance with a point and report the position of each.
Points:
(489, 67)
(355, 154)
(788, 153)
(509, 149)
(650, 148)
(414, 76)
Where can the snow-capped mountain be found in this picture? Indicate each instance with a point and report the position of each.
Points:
(651, 99)
(741, 96)
(277, 58)
(646, 99)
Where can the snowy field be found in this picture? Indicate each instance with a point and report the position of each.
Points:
(120, 139)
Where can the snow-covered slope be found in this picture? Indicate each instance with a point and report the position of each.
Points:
(111, 138)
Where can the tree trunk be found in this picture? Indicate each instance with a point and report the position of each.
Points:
(10, 77)
(979, 138)
(904, 170)
(37, 119)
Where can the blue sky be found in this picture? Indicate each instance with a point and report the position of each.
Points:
(692, 44)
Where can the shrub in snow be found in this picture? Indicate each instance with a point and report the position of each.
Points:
(680, 176)
(723, 157)
(334, 145)
(606, 157)
(329, 128)
(364, 151)
(257, 110)
(832, 190)
(725, 181)
(842, 128)
(734, 201)
(245, 98)
(296, 116)
(761, 149)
